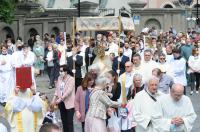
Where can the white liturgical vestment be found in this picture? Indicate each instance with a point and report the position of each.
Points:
(166, 109)
(143, 106)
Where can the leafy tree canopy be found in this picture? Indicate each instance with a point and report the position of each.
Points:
(7, 10)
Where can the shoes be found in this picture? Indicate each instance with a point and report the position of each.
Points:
(191, 92)
(197, 92)
(50, 87)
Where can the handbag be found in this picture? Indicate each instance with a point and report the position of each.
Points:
(113, 123)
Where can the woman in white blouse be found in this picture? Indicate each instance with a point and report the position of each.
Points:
(194, 70)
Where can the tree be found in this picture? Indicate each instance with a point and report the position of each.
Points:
(7, 10)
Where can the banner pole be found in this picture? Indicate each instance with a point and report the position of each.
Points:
(119, 31)
(73, 44)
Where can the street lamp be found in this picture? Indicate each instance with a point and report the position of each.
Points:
(197, 19)
(79, 8)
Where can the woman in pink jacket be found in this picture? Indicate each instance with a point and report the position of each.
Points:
(82, 98)
(64, 97)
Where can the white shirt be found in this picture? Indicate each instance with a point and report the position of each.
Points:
(113, 48)
(128, 53)
(194, 63)
(129, 82)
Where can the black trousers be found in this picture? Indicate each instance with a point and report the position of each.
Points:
(78, 82)
(53, 73)
(50, 72)
(194, 77)
(130, 130)
(67, 118)
(83, 126)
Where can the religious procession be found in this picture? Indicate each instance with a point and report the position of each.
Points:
(115, 81)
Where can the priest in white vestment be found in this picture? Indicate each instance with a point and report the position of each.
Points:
(126, 80)
(24, 110)
(7, 83)
(143, 106)
(178, 65)
(137, 65)
(174, 112)
(148, 65)
(25, 58)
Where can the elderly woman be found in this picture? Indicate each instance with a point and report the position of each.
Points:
(38, 49)
(136, 87)
(82, 98)
(99, 102)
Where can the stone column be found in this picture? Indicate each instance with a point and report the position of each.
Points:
(21, 32)
(45, 27)
(69, 25)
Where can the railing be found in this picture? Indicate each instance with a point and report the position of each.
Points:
(106, 12)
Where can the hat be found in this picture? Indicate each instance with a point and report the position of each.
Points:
(55, 46)
(145, 30)
(163, 68)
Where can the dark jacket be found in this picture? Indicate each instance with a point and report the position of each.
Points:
(55, 57)
(132, 92)
(87, 58)
(116, 92)
(78, 64)
(122, 64)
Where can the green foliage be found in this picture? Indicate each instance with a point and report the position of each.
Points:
(7, 10)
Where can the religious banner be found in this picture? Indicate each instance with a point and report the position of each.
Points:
(23, 77)
(97, 23)
(127, 23)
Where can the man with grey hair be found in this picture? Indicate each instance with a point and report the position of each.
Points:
(174, 112)
(143, 106)
(126, 82)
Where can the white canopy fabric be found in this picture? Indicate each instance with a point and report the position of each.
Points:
(104, 23)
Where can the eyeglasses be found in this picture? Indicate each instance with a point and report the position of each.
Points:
(61, 71)
(162, 58)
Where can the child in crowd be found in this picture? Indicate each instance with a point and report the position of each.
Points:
(50, 116)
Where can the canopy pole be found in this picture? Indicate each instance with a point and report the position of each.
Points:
(89, 42)
(73, 45)
(119, 31)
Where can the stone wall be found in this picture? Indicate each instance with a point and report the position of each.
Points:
(163, 19)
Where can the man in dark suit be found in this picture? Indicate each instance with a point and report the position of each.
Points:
(121, 59)
(78, 60)
(89, 54)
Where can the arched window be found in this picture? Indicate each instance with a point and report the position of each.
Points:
(55, 31)
(6, 32)
(167, 6)
(32, 31)
(123, 14)
(153, 23)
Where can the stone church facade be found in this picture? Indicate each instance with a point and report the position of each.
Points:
(53, 16)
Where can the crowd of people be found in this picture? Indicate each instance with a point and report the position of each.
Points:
(111, 83)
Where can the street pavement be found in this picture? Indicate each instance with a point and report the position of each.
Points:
(42, 86)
